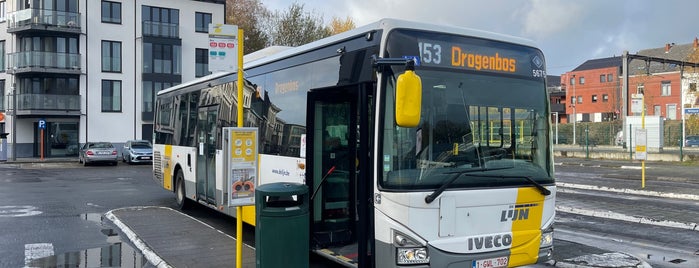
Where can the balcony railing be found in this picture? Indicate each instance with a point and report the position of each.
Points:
(558, 107)
(47, 102)
(43, 17)
(161, 29)
(26, 61)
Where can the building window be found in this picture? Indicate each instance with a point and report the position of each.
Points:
(572, 81)
(666, 90)
(3, 10)
(111, 96)
(111, 56)
(162, 58)
(202, 62)
(582, 80)
(202, 21)
(580, 99)
(640, 88)
(693, 87)
(158, 21)
(610, 78)
(111, 12)
(594, 98)
(2, 55)
(602, 78)
(605, 98)
(671, 112)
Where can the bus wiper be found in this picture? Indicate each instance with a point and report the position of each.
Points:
(431, 197)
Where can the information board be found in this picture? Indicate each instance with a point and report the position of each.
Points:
(241, 159)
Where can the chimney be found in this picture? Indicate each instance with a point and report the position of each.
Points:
(667, 48)
(696, 43)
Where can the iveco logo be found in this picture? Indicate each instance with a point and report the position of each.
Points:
(537, 61)
(516, 213)
(489, 241)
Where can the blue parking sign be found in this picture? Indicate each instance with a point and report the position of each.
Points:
(42, 123)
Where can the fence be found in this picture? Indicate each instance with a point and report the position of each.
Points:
(607, 133)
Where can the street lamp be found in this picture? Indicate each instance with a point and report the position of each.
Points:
(575, 100)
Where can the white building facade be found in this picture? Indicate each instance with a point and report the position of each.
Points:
(90, 69)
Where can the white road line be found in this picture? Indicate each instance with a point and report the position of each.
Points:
(628, 191)
(151, 256)
(37, 251)
(620, 216)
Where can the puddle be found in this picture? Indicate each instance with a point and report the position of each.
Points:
(116, 254)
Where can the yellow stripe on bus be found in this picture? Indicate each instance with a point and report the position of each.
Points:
(526, 227)
(167, 169)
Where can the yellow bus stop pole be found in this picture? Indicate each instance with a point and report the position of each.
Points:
(239, 209)
(643, 126)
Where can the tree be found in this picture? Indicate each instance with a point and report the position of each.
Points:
(253, 18)
(337, 25)
(295, 27)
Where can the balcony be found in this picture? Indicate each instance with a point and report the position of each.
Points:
(44, 62)
(48, 104)
(43, 20)
(160, 29)
(558, 108)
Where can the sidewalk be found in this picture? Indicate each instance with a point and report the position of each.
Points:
(168, 238)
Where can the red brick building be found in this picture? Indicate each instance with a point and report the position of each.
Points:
(592, 92)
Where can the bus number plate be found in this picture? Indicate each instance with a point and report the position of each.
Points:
(491, 263)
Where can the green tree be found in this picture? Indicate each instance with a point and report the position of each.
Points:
(295, 27)
(252, 17)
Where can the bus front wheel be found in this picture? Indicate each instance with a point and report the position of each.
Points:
(181, 195)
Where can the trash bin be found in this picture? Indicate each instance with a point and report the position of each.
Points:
(282, 225)
(3, 146)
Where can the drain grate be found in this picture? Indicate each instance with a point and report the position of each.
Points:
(676, 261)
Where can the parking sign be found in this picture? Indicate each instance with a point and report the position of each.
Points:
(42, 123)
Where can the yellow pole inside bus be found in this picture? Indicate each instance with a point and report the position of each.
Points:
(239, 209)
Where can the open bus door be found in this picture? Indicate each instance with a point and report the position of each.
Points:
(338, 163)
(206, 154)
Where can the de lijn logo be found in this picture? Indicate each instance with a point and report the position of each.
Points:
(537, 62)
(516, 213)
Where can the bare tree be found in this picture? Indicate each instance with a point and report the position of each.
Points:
(253, 18)
(296, 26)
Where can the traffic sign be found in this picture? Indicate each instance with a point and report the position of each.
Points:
(42, 123)
(691, 110)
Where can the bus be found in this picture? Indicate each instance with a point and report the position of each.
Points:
(421, 145)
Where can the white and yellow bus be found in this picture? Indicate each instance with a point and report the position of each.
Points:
(457, 172)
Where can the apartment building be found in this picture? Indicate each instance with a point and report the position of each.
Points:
(90, 69)
(592, 91)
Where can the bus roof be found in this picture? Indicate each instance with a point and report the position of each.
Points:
(275, 53)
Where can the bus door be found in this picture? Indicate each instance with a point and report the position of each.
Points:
(206, 154)
(337, 153)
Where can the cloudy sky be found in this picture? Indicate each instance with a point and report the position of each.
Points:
(569, 32)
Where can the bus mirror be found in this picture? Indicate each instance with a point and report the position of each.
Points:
(408, 97)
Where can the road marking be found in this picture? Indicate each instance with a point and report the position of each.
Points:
(18, 211)
(37, 251)
(623, 217)
(628, 191)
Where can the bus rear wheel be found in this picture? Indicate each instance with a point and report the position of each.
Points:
(180, 194)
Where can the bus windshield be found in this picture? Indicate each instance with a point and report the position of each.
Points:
(485, 124)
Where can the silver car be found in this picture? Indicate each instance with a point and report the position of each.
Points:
(93, 152)
(137, 151)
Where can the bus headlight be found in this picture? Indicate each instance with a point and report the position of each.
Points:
(546, 238)
(409, 251)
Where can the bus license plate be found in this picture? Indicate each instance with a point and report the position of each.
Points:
(491, 263)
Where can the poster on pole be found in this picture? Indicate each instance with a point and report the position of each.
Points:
(241, 158)
(637, 103)
(641, 144)
(223, 48)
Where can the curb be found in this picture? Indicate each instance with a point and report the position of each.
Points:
(147, 252)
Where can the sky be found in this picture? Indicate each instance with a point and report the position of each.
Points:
(569, 32)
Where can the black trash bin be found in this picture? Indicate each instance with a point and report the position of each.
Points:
(282, 224)
(3, 146)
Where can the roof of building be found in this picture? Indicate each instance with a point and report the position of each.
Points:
(682, 52)
(599, 64)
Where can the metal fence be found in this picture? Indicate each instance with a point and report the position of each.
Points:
(609, 133)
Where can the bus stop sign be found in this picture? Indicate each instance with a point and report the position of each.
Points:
(42, 123)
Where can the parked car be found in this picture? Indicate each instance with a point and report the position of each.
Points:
(93, 152)
(691, 141)
(137, 151)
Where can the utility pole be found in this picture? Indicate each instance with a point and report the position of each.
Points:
(574, 102)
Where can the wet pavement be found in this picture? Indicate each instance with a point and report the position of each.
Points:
(164, 237)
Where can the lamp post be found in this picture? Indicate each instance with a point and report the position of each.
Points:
(575, 101)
